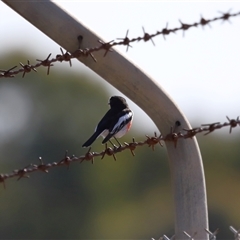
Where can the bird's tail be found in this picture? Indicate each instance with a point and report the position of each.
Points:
(91, 140)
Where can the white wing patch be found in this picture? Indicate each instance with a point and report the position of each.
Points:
(104, 133)
(121, 126)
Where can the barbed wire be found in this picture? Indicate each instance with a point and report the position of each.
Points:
(212, 235)
(106, 46)
(150, 141)
(172, 136)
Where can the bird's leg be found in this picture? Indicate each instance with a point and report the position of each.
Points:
(112, 144)
(120, 145)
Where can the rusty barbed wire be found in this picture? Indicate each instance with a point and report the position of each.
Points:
(212, 236)
(106, 47)
(109, 151)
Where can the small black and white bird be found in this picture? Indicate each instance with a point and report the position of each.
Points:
(115, 123)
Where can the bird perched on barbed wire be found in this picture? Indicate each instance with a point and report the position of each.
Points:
(115, 123)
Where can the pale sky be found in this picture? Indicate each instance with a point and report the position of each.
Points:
(201, 71)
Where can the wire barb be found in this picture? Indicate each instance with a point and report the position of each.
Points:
(212, 235)
(185, 26)
(22, 173)
(152, 141)
(147, 37)
(165, 31)
(42, 167)
(7, 73)
(226, 16)
(46, 63)
(204, 22)
(233, 123)
(125, 41)
(89, 156)
(235, 232)
(189, 236)
(109, 151)
(64, 57)
(107, 46)
(66, 160)
(27, 68)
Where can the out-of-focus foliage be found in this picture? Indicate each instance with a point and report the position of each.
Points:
(131, 198)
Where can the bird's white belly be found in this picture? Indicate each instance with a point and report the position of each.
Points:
(118, 134)
(121, 132)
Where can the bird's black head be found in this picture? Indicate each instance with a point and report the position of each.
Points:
(118, 102)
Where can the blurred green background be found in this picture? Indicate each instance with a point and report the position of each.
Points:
(131, 198)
